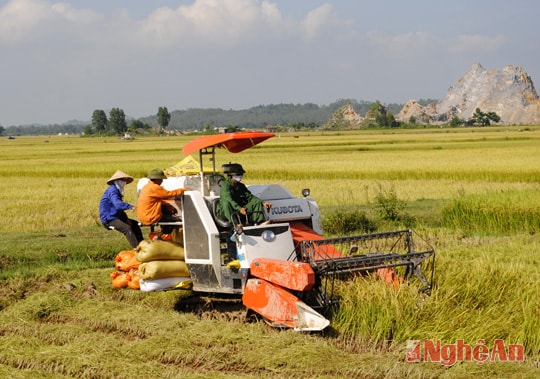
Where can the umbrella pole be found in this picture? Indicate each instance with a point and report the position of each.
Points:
(202, 152)
(202, 170)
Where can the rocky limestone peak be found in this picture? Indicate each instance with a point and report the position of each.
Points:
(379, 110)
(345, 117)
(416, 110)
(476, 68)
(509, 92)
(349, 113)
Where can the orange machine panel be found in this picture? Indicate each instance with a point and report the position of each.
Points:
(296, 276)
(275, 304)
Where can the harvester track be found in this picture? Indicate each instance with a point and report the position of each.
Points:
(214, 307)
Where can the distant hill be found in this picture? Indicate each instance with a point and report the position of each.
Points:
(509, 92)
(309, 115)
(262, 116)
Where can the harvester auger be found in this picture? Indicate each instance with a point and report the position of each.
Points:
(285, 271)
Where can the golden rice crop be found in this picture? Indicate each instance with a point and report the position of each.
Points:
(56, 182)
(60, 316)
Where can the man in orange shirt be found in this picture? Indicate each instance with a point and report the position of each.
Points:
(151, 205)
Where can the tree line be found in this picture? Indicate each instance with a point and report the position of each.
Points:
(307, 115)
(116, 123)
(290, 116)
(478, 118)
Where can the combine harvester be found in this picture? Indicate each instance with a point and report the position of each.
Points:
(285, 272)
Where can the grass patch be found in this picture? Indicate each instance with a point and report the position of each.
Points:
(342, 223)
(502, 213)
(481, 292)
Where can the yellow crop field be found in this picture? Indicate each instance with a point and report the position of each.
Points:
(472, 193)
(61, 178)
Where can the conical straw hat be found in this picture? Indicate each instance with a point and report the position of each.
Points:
(120, 175)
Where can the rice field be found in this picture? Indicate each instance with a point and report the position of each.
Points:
(42, 175)
(474, 194)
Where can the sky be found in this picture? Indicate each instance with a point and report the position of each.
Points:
(61, 60)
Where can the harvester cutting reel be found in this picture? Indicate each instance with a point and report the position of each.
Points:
(392, 256)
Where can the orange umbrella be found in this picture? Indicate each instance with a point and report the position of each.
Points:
(232, 142)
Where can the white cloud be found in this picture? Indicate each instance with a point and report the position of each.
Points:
(413, 44)
(234, 53)
(19, 18)
(31, 20)
(76, 16)
(214, 22)
(402, 45)
(316, 19)
(476, 43)
(205, 24)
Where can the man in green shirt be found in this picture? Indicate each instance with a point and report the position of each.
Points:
(235, 198)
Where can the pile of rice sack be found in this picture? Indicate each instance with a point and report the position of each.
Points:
(162, 265)
(152, 266)
(126, 274)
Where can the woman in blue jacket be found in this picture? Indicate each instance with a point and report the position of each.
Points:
(112, 209)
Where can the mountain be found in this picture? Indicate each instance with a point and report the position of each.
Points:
(509, 92)
(309, 114)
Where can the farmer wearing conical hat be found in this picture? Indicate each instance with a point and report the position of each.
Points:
(112, 209)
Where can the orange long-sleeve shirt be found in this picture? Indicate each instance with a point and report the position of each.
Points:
(150, 199)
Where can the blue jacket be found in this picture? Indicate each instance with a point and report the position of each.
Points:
(112, 206)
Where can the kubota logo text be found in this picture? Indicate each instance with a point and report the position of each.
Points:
(449, 354)
(286, 209)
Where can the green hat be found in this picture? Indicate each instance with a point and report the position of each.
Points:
(156, 174)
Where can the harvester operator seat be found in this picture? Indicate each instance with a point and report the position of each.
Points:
(213, 208)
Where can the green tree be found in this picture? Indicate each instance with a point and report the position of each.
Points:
(484, 119)
(493, 117)
(163, 117)
(375, 109)
(117, 121)
(380, 114)
(456, 121)
(99, 121)
(381, 120)
(138, 124)
(391, 120)
(386, 120)
(232, 129)
(88, 130)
